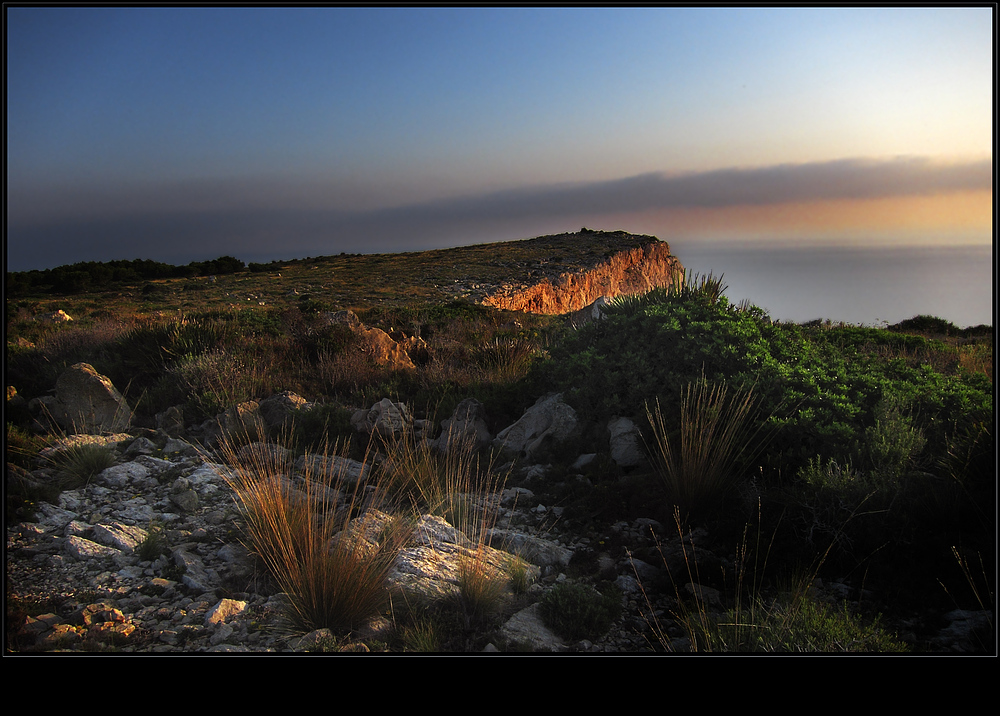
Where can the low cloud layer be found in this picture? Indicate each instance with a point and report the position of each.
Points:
(176, 236)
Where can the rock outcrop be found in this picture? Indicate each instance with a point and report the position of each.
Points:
(628, 272)
(466, 427)
(86, 402)
(397, 350)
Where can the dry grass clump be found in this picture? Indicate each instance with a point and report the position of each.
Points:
(324, 541)
(699, 467)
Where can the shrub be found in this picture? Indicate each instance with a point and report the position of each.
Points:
(892, 443)
(22, 447)
(506, 359)
(928, 325)
(800, 624)
(211, 382)
(576, 611)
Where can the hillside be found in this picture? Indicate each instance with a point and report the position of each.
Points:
(548, 274)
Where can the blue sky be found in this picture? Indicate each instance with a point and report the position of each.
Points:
(181, 134)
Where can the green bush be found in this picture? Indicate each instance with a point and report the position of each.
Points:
(576, 611)
(819, 388)
(892, 443)
(797, 625)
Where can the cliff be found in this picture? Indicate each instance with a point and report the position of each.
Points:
(629, 271)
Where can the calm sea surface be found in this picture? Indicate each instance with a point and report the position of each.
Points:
(855, 285)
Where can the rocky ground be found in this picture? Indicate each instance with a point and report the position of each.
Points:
(81, 563)
(147, 558)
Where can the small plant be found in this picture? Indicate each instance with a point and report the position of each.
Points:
(519, 573)
(154, 544)
(422, 637)
(576, 611)
(81, 463)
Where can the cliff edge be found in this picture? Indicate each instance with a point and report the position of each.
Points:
(626, 272)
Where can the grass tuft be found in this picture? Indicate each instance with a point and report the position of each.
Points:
(81, 463)
(699, 468)
(332, 565)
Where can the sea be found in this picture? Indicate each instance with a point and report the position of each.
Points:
(871, 286)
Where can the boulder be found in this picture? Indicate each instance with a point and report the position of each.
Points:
(278, 411)
(387, 420)
(384, 350)
(239, 423)
(171, 421)
(466, 426)
(430, 567)
(593, 312)
(242, 419)
(549, 419)
(88, 402)
(333, 469)
(626, 443)
(528, 629)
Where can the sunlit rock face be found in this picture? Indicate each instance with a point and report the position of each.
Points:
(627, 272)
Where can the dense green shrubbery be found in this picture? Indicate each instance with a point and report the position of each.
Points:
(95, 275)
(822, 388)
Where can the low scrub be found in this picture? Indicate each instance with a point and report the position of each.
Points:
(759, 619)
(799, 624)
(577, 611)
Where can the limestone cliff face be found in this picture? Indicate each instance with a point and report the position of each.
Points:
(627, 272)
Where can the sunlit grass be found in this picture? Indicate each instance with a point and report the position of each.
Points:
(325, 542)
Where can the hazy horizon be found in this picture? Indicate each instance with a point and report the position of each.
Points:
(186, 133)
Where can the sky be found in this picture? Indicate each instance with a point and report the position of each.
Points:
(187, 133)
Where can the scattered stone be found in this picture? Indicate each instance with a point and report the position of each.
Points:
(59, 316)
